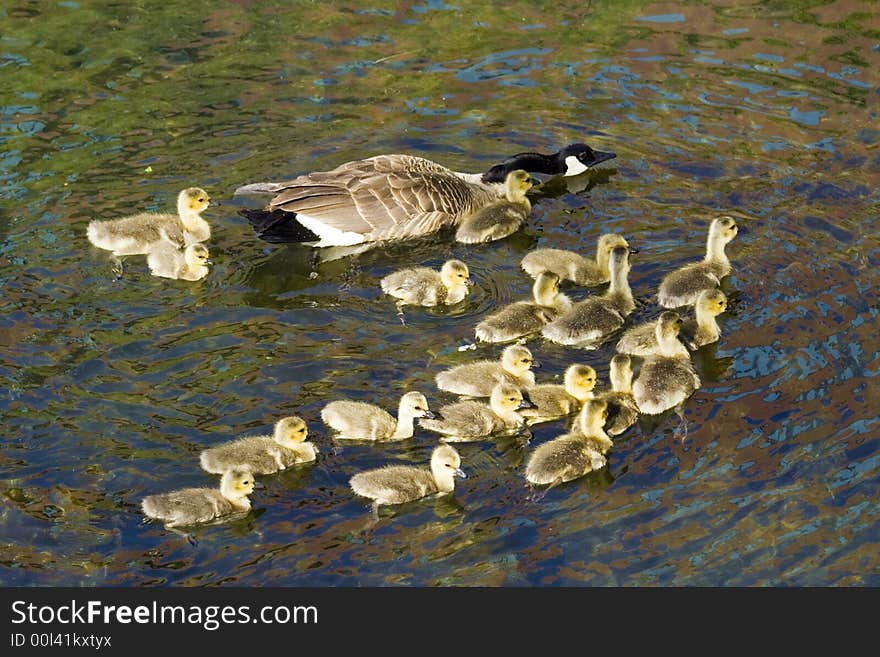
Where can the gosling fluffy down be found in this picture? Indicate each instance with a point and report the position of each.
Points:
(190, 506)
(397, 484)
(574, 454)
(551, 401)
(668, 378)
(500, 218)
(572, 266)
(167, 261)
(623, 412)
(137, 234)
(471, 420)
(265, 454)
(362, 421)
(524, 318)
(422, 286)
(479, 378)
(682, 286)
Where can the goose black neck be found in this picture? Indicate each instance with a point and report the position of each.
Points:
(531, 162)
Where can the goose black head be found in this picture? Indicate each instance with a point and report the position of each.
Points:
(569, 161)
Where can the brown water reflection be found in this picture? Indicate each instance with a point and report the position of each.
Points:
(112, 387)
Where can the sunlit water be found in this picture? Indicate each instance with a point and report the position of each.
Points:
(112, 387)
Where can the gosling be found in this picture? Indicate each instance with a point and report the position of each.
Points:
(524, 318)
(287, 446)
(552, 401)
(682, 286)
(591, 321)
(190, 506)
(422, 286)
(623, 412)
(500, 218)
(575, 454)
(574, 267)
(701, 330)
(668, 378)
(167, 261)
(397, 484)
(469, 420)
(362, 421)
(479, 378)
(136, 234)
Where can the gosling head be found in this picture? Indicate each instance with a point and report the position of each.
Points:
(237, 483)
(609, 240)
(414, 404)
(580, 381)
(445, 466)
(196, 255)
(507, 399)
(517, 360)
(592, 417)
(620, 373)
(712, 302)
(723, 229)
(517, 183)
(454, 273)
(668, 326)
(194, 199)
(619, 262)
(546, 288)
(291, 431)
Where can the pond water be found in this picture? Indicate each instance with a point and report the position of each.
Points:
(111, 387)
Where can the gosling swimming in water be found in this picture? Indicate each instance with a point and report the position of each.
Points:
(137, 234)
(682, 286)
(479, 378)
(167, 261)
(397, 484)
(190, 506)
(668, 378)
(472, 420)
(422, 286)
(592, 320)
(287, 446)
(623, 412)
(572, 266)
(551, 401)
(501, 218)
(356, 420)
(574, 454)
(524, 318)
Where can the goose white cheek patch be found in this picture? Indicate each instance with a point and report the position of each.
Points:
(574, 166)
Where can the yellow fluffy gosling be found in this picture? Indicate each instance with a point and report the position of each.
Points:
(266, 454)
(189, 506)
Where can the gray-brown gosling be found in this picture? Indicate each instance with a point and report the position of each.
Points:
(574, 454)
(190, 506)
(423, 286)
(136, 234)
(572, 266)
(356, 420)
(552, 401)
(477, 379)
(682, 286)
(472, 420)
(397, 484)
(592, 320)
(524, 318)
(668, 378)
(695, 332)
(167, 261)
(286, 446)
(623, 412)
(501, 218)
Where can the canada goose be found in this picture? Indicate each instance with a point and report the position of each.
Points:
(682, 286)
(188, 506)
(553, 401)
(703, 329)
(167, 261)
(471, 420)
(397, 484)
(136, 234)
(422, 286)
(623, 411)
(479, 378)
(574, 454)
(362, 421)
(574, 267)
(668, 378)
(523, 318)
(392, 197)
(500, 218)
(287, 446)
(590, 321)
